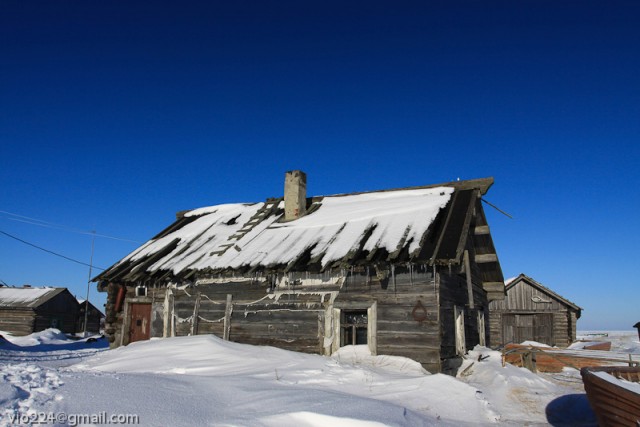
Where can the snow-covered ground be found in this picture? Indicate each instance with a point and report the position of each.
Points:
(203, 380)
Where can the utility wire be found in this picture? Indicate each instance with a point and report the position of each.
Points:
(42, 223)
(496, 208)
(48, 251)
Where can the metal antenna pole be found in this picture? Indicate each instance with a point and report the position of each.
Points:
(86, 302)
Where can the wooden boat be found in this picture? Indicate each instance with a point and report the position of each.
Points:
(596, 345)
(604, 346)
(614, 394)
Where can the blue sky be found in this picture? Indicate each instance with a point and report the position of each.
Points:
(115, 115)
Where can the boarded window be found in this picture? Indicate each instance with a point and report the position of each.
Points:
(353, 325)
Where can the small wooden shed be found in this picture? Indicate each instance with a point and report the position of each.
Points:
(532, 312)
(27, 310)
(95, 318)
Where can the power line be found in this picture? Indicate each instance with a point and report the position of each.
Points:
(48, 251)
(496, 208)
(42, 223)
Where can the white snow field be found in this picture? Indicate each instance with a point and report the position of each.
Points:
(205, 381)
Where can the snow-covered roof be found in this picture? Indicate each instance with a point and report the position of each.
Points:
(253, 236)
(26, 297)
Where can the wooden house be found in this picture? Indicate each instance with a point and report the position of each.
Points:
(27, 310)
(407, 272)
(95, 317)
(532, 312)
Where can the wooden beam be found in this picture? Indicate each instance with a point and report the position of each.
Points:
(194, 317)
(452, 202)
(484, 258)
(495, 296)
(481, 229)
(467, 272)
(464, 235)
(227, 318)
(493, 286)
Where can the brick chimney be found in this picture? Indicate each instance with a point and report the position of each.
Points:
(295, 195)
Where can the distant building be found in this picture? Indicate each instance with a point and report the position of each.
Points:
(95, 318)
(532, 312)
(27, 310)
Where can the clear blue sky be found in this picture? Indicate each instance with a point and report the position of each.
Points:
(115, 115)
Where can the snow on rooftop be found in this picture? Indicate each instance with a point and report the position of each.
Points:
(211, 229)
(338, 226)
(22, 297)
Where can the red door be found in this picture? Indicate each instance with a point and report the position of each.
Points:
(140, 322)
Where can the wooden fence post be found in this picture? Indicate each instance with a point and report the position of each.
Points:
(194, 317)
(227, 318)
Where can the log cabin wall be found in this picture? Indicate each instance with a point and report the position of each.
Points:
(60, 312)
(407, 322)
(94, 319)
(401, 304)
(57, 308)
(17, 321)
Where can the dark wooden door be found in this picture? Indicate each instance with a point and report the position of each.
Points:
(140, 322)
(543, 328)
(517, 328)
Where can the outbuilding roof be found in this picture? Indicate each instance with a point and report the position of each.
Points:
(539, 286)
(26, 297)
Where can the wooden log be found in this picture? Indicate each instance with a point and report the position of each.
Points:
(481, 229)
(493, 286)
(467, 272)
(484, 258)
(227, 317)
(194, 317)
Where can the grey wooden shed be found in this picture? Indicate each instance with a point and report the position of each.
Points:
(27, 310)
(532, 312)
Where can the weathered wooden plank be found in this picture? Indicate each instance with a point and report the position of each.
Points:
(227, 317)
(194, 318)
(495, 296)
(484, 258)
(419, 354)
(481, 230)
(493, 286)
(305, 346)
(467, 270)
(403, 325)
(262, 316)
(415, 340)
(393, 311)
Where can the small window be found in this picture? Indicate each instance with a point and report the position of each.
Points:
(141, 291)
(353, 325)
